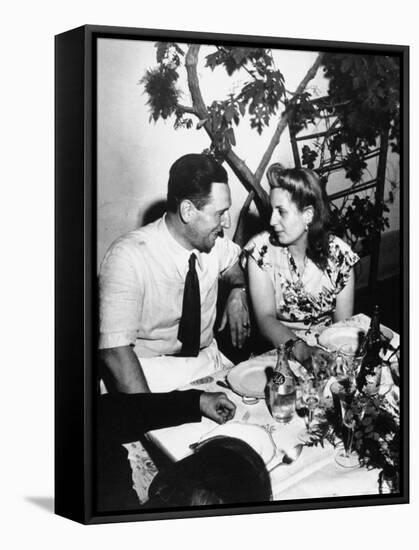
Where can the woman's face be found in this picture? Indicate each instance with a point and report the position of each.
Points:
(288, 222)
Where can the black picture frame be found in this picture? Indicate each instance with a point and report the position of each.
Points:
(75, 276)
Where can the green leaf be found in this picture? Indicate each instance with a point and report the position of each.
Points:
(231, 136)
(229, 113)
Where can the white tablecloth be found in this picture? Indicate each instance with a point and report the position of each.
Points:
(315, 474)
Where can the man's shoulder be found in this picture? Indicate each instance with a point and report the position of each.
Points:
(136, 242)
(223, 243)
(140, 237)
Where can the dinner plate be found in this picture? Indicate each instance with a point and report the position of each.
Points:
(254, 435)
(249, 378)
(334, 338)
(387, 333)
(393, 398)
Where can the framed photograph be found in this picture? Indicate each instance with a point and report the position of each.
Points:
(232, 288)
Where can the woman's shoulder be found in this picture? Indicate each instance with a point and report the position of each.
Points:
(258, 247)
(258, 243)
(337, 242)
(260, 239)
(338, 248)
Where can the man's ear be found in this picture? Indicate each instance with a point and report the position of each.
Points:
(308, 214)
(187, 211)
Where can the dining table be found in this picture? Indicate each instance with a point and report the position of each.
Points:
(314, 473)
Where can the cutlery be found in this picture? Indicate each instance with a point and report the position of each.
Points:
(289, 457)
(200, 381)
(223, 384)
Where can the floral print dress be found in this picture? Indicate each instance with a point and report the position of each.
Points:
(307, 299)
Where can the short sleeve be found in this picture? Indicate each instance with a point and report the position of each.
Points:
(121, 293)
(227, 252)
(341, 260)
(258, 249)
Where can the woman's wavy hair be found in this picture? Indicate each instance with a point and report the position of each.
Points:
(305, 189)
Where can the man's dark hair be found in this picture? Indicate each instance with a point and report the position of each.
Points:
(191, 177)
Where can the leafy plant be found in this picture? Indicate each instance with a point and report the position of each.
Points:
(363, 100)
(261, 99)
(358, 219)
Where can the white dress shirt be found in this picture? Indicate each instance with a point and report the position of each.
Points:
(142, 279)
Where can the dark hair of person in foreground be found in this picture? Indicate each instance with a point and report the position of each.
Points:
(222, 470)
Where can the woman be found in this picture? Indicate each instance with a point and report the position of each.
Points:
(300, 276)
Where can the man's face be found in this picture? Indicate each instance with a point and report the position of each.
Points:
(209, 222)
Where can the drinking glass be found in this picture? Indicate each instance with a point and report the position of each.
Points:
(343, 393)
(323, 367)
(351, 358)
(309, 398)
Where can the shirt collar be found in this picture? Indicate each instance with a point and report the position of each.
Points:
(179, 253)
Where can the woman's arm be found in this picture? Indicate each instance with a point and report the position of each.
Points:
(263, 300)
(345, 300)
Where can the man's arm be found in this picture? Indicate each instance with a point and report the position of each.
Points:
(121, 293)
(123, 418)
(236, 311)
(123, 371)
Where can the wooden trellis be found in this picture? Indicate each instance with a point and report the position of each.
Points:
(327, 167)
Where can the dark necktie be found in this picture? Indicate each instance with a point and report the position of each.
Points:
(190, 323)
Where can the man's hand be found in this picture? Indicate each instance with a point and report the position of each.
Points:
(236, 313)
(217, 406)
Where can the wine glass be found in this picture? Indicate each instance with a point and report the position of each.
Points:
(323, 367)
(309, 397)
(343, 393)
(351, 358)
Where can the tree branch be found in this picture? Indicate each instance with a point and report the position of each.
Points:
(238, 166)
(187, 109)
(237, 237)
(191, 62)
(283, 121)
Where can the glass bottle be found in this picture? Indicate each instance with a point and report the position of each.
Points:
(371, 346)
(282, 389)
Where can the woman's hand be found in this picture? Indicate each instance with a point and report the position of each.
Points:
(309, 356)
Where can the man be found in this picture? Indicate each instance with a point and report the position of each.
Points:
(126, 417)
(158, 286)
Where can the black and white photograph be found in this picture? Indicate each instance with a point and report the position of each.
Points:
(250, 254)
(208, 283)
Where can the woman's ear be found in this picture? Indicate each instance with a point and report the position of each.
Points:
(308, 214)
(187, 211)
